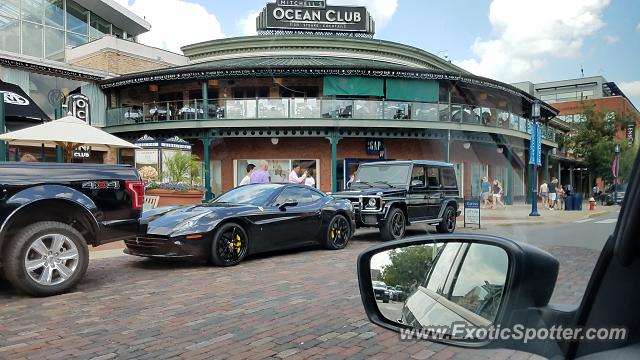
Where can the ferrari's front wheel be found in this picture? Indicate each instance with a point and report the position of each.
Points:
(229, 245)
(338, 233)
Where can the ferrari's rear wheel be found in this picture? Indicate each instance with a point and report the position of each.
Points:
(338, 233)
(229, 245)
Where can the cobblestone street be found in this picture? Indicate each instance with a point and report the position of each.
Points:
(298, 305)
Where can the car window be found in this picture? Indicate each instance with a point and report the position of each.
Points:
(439, 272)
(299, 194)
(480, 280)
(448, 177)
(252, 194)
(418, 176)
(433, 177)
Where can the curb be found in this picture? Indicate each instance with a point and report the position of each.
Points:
(597, 213)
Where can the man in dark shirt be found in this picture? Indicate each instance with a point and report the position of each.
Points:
(553, 193)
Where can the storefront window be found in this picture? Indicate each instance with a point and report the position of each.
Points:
(42, 87)
(279, 169)
(477, 172)
(10, 8)
(54, 43)
(76, 18)
(54, 13)
(74, 40)
(32, 10)
(10, 34)
(32, 39)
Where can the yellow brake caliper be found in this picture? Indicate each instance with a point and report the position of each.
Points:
(238, 243)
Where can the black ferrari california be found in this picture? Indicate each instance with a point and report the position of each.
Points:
(246, 220)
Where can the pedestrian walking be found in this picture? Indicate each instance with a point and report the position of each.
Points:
(497, 194)
(561, 196)
(553, 194)
(294, 175)
(247, 178)
(310, 180)
(484, 194)
(261, 176)
(544, 194)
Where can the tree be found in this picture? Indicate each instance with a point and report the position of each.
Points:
(183, 168)
(407, 264)
(594, 140)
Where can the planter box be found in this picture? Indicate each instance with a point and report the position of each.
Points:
(169, 197)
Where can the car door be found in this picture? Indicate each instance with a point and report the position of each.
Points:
(417, 203)
(433, 193)
(295, 225)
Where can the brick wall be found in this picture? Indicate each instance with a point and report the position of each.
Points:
(116, 62)
(228, 150)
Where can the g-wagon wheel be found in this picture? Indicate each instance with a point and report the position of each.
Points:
(229, 245)
(338, 233)
(46, 258)
(394, 227)
(448, 223)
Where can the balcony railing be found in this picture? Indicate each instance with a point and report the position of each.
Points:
(319, 108)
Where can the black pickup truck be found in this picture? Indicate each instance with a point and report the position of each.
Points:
(50, 213)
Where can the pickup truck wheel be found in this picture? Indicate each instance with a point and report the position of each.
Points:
(229, 245)
(46, 258)
(448, 223)
(338, 233)
(394, 226)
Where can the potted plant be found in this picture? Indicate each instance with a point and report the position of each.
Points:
(181, 184)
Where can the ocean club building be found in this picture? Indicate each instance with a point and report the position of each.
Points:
(316, 88)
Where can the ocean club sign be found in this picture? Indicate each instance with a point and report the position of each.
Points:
(314, 16)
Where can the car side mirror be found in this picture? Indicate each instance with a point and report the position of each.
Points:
(288, 203)
(458, 287)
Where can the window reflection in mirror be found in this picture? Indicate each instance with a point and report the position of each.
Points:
(440, 284)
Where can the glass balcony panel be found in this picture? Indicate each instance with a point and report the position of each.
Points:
(523, 124)
(487, 116)
(367, 109)
(503, 119)
(273, 108)
(240, 109)
(397, 110)
(424, 112)
(444, 113)
(158, 111)
(514, 122)
(302, 108)
(337, 109)
(456, 113)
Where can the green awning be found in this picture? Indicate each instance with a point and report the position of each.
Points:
(353, 86)
(413, 90)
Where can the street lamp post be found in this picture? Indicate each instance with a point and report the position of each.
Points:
(616, 165)
(533, 155)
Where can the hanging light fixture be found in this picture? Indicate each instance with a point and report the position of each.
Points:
(466, 145)
(275, 141)
(499, 150)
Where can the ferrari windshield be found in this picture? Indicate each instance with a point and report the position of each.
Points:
(251, 194)
(382, 174)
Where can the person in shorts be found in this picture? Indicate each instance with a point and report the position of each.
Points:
(544, 194)
(497, 194)
(553, 194)
(484, 194)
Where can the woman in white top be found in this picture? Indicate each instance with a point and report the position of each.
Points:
(247, 179)
(310, 181)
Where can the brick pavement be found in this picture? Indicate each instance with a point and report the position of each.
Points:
(297, 305)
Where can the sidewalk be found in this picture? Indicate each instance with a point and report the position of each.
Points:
(519, 214)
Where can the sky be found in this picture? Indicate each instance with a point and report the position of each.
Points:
(507, 40)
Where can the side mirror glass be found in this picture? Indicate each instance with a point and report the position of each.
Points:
(288, 203)
(448, 284)
(417, 183)
(451, 288)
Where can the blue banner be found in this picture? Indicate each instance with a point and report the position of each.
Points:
(539, 147)
(533, 147)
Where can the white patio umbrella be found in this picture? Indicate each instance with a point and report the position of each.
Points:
(68, 132)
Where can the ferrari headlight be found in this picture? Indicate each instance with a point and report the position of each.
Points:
(189, 223)
(371, 203)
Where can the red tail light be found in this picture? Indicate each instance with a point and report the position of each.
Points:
(136, 190)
